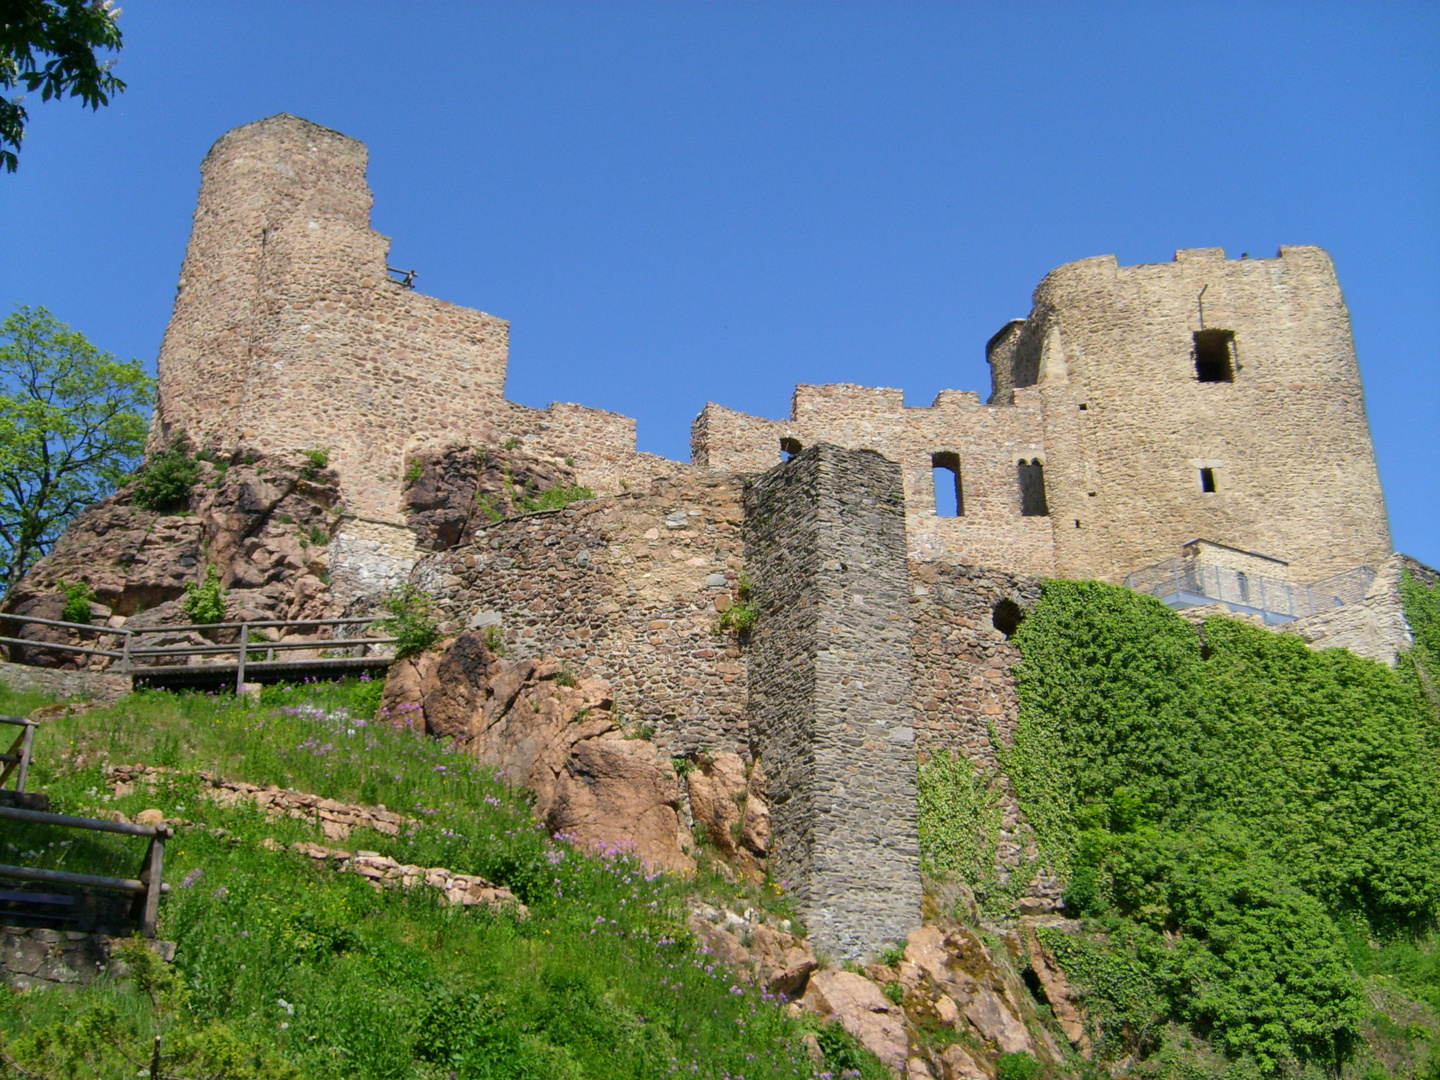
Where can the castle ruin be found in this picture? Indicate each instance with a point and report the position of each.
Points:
(1139, 414)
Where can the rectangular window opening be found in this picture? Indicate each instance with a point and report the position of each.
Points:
(1032, 488)
(1215, 355)
(949, 495)
(1207, 480)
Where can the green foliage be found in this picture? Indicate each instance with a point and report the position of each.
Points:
(315, 973)
(204, 601)
(1218, 810)
(843, 1055)
(414, 471)
(495, 640)
(72, 425)
(411, 619)
(51, 46)
(78, 595)
(554, 498)
(1017, 1066)
(510, 444)
(960, 818)
(488, 507)
(895, 992)
(164, 481)
(1421, 662)
(742, 615)
(317, 457)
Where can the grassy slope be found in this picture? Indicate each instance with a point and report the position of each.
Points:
(291, 969)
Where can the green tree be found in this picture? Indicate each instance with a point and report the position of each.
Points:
(50, 46)
(72, 427)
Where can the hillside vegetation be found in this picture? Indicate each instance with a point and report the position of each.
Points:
(1251, 829)
(287, 969)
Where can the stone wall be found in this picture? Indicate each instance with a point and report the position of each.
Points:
(986, 442)
(33, 958)
(829, 668)
(963, 683)
(628, 588)
(65, 683)
(1376, 626)
(1100, 387)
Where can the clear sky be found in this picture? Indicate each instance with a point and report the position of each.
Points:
(680, 202)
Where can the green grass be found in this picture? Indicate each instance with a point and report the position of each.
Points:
(293, 969)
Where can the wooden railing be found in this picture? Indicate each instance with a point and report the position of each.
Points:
(132, 657)
(146, 888)
(17, 759)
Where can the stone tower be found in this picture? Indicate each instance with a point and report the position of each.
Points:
(288, 333)
(1205, 397)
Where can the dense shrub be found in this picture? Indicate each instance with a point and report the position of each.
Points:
(1219, 807)
(78, 595)
(204, 601)
(411, 621)
(164, 481)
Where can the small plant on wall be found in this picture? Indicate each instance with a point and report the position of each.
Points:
(78, 595)
(411, 620)
(205, 601)
(742, 615)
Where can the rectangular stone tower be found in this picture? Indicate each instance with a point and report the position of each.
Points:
(829, 671)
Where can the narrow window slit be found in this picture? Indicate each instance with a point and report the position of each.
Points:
(1032, 488)
(1207, 480)
(949, 494)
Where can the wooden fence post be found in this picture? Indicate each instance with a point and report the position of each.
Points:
(240, 667)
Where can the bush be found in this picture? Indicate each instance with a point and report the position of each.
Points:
(554, 498)
(1218, 810)
(411, 620)
(164, 481)
(1016, 1066)
(204, 601)
(317, 458)
(77, 601)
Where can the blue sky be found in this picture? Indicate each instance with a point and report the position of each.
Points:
(681, 202)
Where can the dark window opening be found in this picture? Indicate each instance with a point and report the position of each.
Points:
(1007, 617)
(1207, 480)
(789, 448)
(1215, 355)
(1032, 488)
(1077, 523)
(1083, 407)
(949, 496)
(1242, 582)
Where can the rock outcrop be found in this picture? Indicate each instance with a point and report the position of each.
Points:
(262, 523)
(543, 728)
(455, 489)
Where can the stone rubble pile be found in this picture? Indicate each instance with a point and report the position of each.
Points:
(336, 819)
(459, 890)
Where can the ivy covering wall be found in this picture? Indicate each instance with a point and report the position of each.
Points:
(1233, 811)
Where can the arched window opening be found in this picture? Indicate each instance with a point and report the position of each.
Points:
(1032, 488)
(949, 495)
(1007, 617)
(1215, 355)
(789, 448)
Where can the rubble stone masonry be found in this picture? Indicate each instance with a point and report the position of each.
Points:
(829, 668)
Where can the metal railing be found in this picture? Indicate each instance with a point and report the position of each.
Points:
(1187, 582)
(131, 657)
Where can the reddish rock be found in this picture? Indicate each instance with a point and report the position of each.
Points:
(865, 1012)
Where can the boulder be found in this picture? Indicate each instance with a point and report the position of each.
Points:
(543, 729)
(864, 1011)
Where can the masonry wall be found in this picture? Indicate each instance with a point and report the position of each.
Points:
(829, 668)
(627, 587)
(987, 441)
(288, 333)
(963, 688)
(1129, 426)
